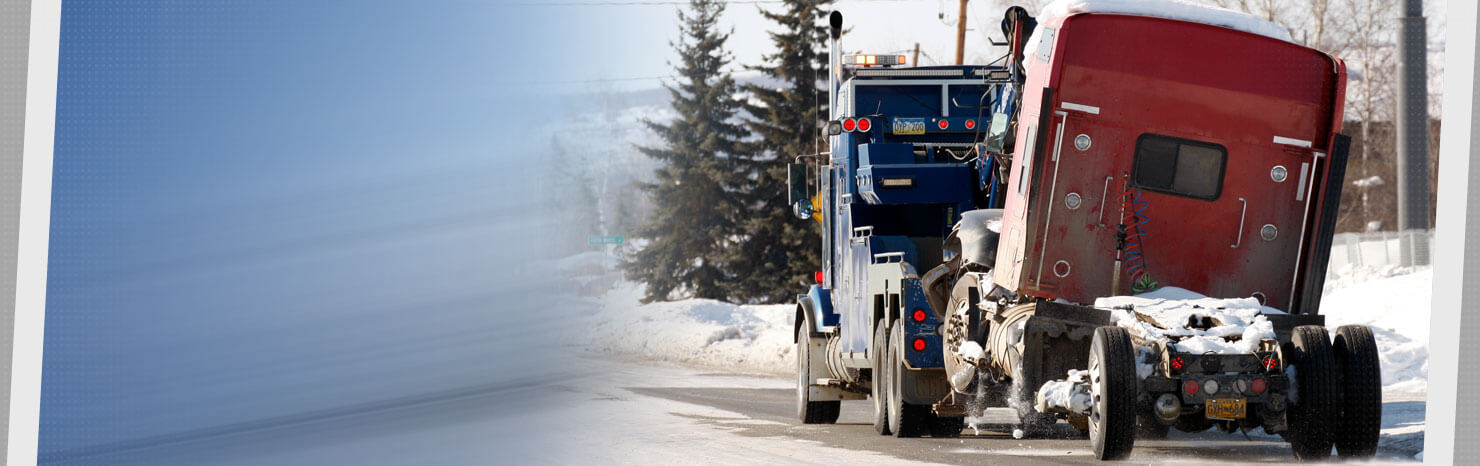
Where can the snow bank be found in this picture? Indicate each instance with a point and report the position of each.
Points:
(1394, 302)
(1170, 9)
(1175, 315)
(703, 332)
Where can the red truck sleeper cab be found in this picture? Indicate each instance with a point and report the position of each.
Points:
(1226, 134)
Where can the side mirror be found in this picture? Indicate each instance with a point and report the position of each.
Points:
(802, 209)
(796, 180)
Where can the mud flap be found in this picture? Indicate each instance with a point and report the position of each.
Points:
(924, 386)
(820, 387)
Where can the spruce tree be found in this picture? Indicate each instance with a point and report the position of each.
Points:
(779, 252)
(694, 190)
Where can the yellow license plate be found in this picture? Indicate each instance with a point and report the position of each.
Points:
(1225, 408)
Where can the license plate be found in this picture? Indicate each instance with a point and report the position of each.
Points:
(1225, 408)
(909, 126)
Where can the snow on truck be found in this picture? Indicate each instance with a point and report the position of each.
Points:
(1124, 224)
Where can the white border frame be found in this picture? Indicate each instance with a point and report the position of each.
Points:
(35, 228)
(1451, 228)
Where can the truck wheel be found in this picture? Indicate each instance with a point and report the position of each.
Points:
(811, 412)
(1355, 352)
(1112, 372)
(880, 394)
(1315, 379)
(905, 420)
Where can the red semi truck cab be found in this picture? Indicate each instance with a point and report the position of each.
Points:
(1211, 148)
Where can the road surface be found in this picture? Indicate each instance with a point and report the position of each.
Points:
(601, 411)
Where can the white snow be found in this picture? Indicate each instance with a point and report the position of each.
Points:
(1171, 309)
(1067, 394)
(1394, 302)
(1370, 181)
(1052, 15)
(971, 351)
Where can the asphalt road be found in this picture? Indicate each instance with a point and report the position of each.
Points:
(598, 411)
(988, 444)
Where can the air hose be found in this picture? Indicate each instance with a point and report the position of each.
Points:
(1133, 217)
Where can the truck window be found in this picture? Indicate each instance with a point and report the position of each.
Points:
(1179, 166)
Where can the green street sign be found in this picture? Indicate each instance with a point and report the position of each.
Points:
(600, 240)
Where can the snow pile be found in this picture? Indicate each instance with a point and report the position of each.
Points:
(1180, 10)
(703, 332)
(1190, 321)
(1069, 394)
(1394, 302)
(971, 351)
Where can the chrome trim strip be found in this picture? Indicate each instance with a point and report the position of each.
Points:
(1292, 141)
(1081, 108)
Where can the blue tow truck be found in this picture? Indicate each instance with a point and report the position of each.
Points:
(904, 165)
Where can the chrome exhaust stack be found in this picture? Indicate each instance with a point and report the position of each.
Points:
(834, 63)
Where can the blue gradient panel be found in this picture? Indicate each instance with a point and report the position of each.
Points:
(297, 232)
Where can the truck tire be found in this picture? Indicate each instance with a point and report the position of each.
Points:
(1355, 352)
(880, 384)
(1312, 415)
(811, 412)
(1112, 368)
(905, 420)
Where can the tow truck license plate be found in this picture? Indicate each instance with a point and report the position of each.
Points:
(1225, 408)
(909, 126)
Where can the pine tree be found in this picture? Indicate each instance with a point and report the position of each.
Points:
(776, 259)
(694, 191)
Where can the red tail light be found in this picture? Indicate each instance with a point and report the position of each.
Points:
(817, 276)
(1259, 385)
(850, 124)
(970, 124)
(943, 124)
(1190, 387)
(919, 344)
(919, 315)
(1270, 363)
(1177, 363)
(864, 124)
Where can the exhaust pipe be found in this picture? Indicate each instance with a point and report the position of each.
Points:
(834, 63)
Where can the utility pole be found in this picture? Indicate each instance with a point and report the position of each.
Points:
(915, 60)
(1413, 135)
(961, 34)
